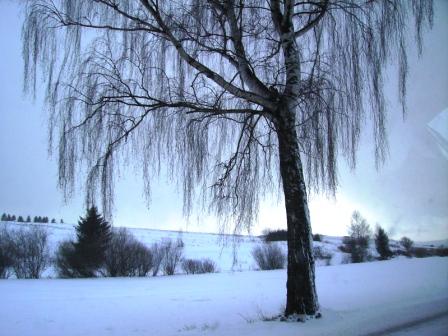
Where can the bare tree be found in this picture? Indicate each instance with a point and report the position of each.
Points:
(126, 256)
(6, 252)
(236, 97)
(157, 256)
(30, 252)
(407, 243)
(357, 243)
(172, 255)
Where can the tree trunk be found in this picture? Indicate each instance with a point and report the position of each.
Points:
(301, 291)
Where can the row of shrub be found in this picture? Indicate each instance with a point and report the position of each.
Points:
(97, 251)
(270, 256)
(23, 252)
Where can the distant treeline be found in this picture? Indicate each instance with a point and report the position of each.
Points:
(282, 235)
(20, 219)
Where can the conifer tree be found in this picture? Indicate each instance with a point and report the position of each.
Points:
(93, 236)
(28, 219)
(13, 218)
(4, 217)
(20, 219)
(382, 243)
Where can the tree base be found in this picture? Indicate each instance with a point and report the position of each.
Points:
(299, 317)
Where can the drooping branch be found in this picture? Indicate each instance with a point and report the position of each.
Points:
(196, 84)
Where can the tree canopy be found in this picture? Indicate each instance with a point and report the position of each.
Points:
(193, 86)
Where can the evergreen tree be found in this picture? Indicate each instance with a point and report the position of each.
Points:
(53, 221)
(36, 219)
(28, 219)
(4, 217)
(382, 243)
(13, 218)
(45, 220)
(93, 236)
(20, 219)
(8, 218)
(62, 221)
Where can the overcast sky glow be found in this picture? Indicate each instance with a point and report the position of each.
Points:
(408, 196)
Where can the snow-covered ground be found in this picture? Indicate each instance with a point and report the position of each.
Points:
(400, 297)
(356, 299)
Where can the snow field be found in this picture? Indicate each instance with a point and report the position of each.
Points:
(356, 299)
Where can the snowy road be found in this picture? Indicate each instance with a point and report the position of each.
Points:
(436, 325)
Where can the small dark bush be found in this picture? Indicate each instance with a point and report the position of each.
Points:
(191, 266)
(30, 252)
(142, 260)
(157, 258)
(208, 266)
(317, 237)
(6, 255)
(407, 243)
(195, 266)
(421, 252)
(67, 261)
(442, 251)
(357, 247)
(345, 246)
(277, 235)
(172, 254)
(269, 256)
(321, 253)
(126, 256)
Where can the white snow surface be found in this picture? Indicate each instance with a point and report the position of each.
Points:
(356, 299)
(375, 298)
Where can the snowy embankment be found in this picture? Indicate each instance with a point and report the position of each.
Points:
(356, 299)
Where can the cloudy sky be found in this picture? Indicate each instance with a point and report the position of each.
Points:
(407, 196)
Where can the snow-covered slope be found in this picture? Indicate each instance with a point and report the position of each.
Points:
(230, 253)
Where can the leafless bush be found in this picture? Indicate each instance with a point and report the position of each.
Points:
(30, 251)
(269, 256)
(208, 266)
(191, 266)
(67, 261)
(6, 255)
(126, 256)
(157, 258)
(195, 266)
(407, 243)
(171, 254)
(323, 254)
